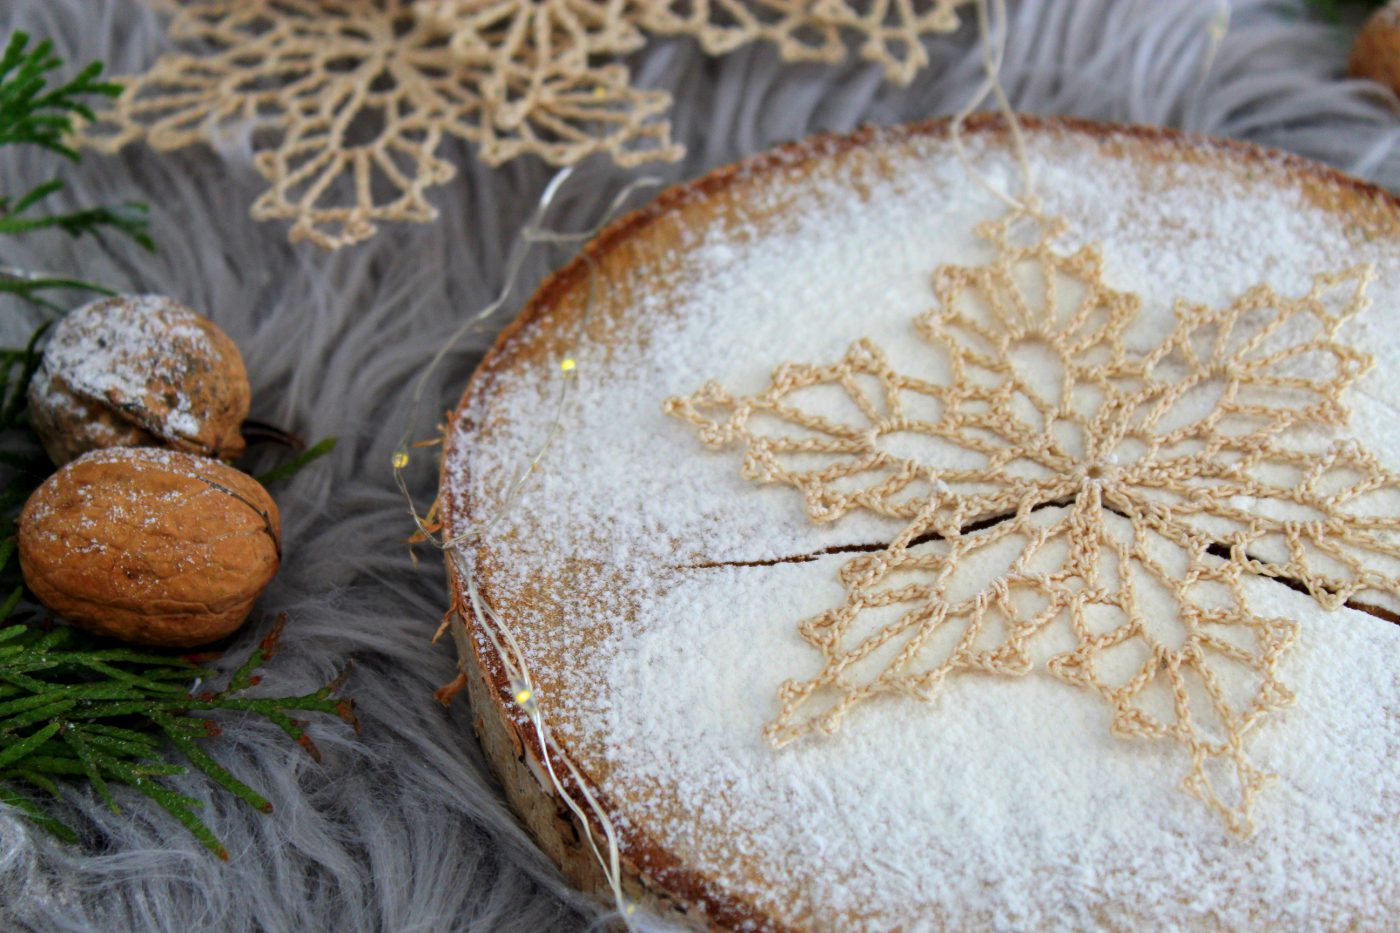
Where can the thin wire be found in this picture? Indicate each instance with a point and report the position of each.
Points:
(1216, 31)
(992, 26)
(22, 275)
(18, 274)
(511, 656)
(531, 234)
(611, 865)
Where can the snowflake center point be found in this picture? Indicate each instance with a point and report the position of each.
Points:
(1098, 473)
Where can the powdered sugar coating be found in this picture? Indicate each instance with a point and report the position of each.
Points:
(118, 359)
(137, 370)
(1007, 803)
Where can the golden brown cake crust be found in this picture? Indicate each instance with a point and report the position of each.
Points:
(654, 876)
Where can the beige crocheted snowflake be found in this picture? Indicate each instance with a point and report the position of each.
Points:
(347, 104)
(1076, 505)
(889, 32)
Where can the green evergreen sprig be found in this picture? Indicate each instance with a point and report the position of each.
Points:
(1332, 9)
(300, 461)
(73, 707)
(35, 111)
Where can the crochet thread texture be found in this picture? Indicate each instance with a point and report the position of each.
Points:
(1067, 482)
(347, 104)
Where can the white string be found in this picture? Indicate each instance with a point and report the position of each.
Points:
(25, 275)
(992, 26)
(532, 233)
(521, 683)
(510, 655)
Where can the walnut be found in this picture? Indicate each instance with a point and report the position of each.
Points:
(150, 545)
(1376, 52)
(136, 371)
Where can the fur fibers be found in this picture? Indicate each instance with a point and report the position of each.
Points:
(401, 828)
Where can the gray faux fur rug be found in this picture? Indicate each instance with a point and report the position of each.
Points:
(400, 828)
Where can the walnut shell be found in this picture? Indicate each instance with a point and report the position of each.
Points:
(149, 545)
(136, 371)
(1376, 52)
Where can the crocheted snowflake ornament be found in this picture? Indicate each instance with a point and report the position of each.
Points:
(347, 104)
(1067, 486)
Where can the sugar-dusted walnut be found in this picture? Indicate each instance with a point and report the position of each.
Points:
(1376, 52)
(149, 545)
(139, 370)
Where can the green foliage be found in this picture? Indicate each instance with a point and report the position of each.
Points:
(1331, 10)
(72, 707)
(292, 467)
(34, 111)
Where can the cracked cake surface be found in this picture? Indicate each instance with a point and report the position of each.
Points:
(657, 592)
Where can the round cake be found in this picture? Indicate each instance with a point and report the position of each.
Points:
(906, 560)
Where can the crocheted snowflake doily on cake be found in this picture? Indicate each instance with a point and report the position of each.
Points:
(1059, 479)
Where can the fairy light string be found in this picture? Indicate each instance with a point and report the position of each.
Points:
(524, 692)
